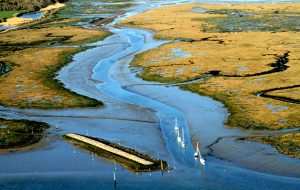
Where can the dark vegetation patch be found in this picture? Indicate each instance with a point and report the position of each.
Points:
(102, 21)
(20, 133)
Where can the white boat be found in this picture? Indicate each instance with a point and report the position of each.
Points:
(198, 154)
(183, 142)
(176, 126)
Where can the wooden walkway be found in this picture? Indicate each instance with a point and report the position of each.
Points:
(109, 149)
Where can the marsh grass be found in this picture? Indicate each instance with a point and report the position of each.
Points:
(288, 144)
(30, 82)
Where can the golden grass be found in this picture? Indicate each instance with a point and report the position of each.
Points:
(239, 54)
(25, 86)
(176, 22)
(231, 53)
(55, 6)
(167, 23)
(28, 36)
(264, 8)
(16, 21)
(293, 93)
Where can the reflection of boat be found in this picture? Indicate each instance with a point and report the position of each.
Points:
(196, 154)
(176, 125)
(183, 142)
(178, 137)
(202, 161)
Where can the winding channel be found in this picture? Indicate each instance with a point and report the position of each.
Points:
(103, 73)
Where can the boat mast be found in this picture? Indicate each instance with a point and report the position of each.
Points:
(183, 142)
(176, 125)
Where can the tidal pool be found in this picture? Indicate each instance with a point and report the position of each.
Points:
(34, 16)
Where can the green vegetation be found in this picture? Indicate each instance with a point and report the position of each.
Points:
(288, 144)
(20, 133)
(48, 77)
(128, 164)
(9, 14)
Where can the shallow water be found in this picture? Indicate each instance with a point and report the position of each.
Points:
(5, 27)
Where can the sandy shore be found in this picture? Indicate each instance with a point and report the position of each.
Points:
(14, 21)
(51, 7)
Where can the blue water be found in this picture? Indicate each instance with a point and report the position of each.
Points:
(34, 16)
(166, 113)
(5, 27)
